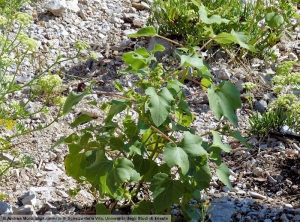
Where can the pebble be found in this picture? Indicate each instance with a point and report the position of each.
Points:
(257, 195)
(5, 208)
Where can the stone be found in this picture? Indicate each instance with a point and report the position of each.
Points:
(257, 195)
(223, 74)
(261, 106)
(50, 167)
(5, 208)
(164, 43)
(56, 7)
(24, 210)
(292, 56)
(29, 199)
(221, 211)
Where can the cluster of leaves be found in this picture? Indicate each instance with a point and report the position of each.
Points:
(285, 109)
(146, 142)
(261, 23)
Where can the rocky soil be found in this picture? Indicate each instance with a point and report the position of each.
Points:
(266, 178)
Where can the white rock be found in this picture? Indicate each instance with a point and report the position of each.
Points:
(56, 7)
(24, 210)
(293, 56)
(5, 208)
(30, 199)
(223, 74)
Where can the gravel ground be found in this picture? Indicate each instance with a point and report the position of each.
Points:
(266, 178)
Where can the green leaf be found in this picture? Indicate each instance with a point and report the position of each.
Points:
(217, 142)
(146, 31)
(110, 174)
(142, 208)
(102, 210)
(118, 86)
(200, 171)
(116, 108)
(146, 167)
(75, 165)
(157, 48)
(234, 37)
(192, 212)
(142, 127)
(223, 174)
(160, 104)
(238, 136)
(274, 20)
(130, 128)
(224, 100)
(116, 143)
(135, 147)
(174, 155)
(190, 60)
(241, 39)
(179, 155)
(213, 19)
(166, 191)
(182, 105)
(73, 99)
(84, 118)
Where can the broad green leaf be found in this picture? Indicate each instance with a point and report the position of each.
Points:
(160, 104)
(225, 38)
(200, 171)
(75, 165)
(130, 128)
(174, 155)
(102, 210)
(116, 143)
(238, 136)
(190, 60)
(84, 118)
(134, 60)
(213, 19)
(157, 48)
(241, 39)
(166, 191)
(215, 155)
(110, 174)
(234, 37)
(223, 174)
(174, 87)
(217, 142)
(73, 99)
(146, 31)
(142, 208)
(74, 148)
(135, 147)
(146, 167)
(205, 83)
(197, 194)
(142, 127)
(115, 109)
(192, 212)
(224, 100)
(274, 20)
(179, 155)
(182, 105)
